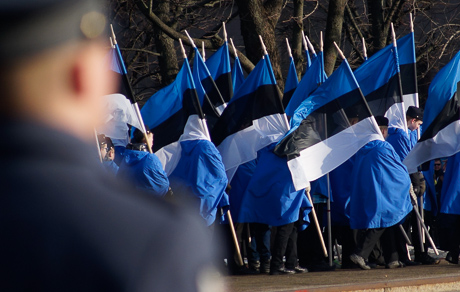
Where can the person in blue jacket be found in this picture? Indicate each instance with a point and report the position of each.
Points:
(143, 169)
(379, 200)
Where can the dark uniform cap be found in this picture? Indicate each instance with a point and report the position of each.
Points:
(415, 112)
(381, 121)
(30, 26)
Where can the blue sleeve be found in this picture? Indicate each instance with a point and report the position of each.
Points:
(157, 177)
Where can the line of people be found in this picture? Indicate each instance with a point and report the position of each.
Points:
(371, 209)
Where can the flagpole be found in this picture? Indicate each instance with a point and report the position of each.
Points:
(234, 49)
(417, 104)
(304, 41)
(322, 56)
(364, 49)
(312, 49)
(419, 227)
(318, 228)
(288, 48)
(203, 52)
(130, 90)
(328, 202)
(98, 148)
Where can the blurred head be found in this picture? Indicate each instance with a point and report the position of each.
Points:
(52, 63)
(414, 117)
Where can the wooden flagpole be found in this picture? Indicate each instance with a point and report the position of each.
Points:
(229, 216)
(318, 228)
(364, 49)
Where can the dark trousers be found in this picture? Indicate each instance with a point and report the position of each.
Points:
(368, 238)
(284, 244)
(260, 244)
(310, 250)
(345, 237)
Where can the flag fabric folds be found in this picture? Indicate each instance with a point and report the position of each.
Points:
(379, 79)
(174, 114)
(221, 71)
(330, 126)
(408, 69)
(441, 126)
(291, 83)
(209, 95)
(309, 83)
(237, 75)
(253, 119)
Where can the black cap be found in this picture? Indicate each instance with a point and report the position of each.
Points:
(31, 26)
(381, 121)
(415, 113)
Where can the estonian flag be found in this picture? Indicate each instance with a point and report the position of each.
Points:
(441, 127)
(291, 83)
(120, 105)
(408, 69)
(309, 83)
(221, 71)
(330, 126)
(174, 114)
(379, 80)
(237, 75)
(253, 119)
(209, 95)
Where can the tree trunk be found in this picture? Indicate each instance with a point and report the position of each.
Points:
(297, 48)
(379, 32)
(258, 18)
(333, 33)
(165, 45)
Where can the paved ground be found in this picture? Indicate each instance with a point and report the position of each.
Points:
(442, 277)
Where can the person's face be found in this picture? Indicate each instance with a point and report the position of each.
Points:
(150, 137)
(437, 165)
(104, 151)
(414, 124)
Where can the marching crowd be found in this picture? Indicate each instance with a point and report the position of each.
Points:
(68, 224)
(373, 216)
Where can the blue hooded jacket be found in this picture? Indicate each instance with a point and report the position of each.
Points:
(144, 171)
(270, 197)
(200, 174)
(400, 141)
(380, 188)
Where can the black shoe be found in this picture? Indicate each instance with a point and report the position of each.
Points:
(426, 259)
(409, 263)
(282, 271)
(451, 258)
(395, 264)
(359, 260)
(264, 267)
(254, 265)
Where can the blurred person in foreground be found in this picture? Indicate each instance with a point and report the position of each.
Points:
(66, 224)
